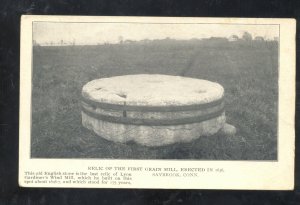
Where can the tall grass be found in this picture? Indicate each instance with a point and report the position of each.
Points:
(248, 72)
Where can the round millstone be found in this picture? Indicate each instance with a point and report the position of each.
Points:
(152, 110)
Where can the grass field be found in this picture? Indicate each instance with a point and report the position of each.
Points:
(248, 72)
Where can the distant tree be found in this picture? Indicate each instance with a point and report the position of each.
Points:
(259, 38)
(247, 36)
(35, 43)
(233, 38)
(128, 41)
(120, 39)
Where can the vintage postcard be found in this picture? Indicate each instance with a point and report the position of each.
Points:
(157, 102)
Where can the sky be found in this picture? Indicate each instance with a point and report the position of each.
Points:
(99, 33)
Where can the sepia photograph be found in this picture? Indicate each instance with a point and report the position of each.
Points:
(153, 90)
(157, 102)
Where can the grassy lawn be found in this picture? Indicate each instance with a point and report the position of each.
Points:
(248, 72)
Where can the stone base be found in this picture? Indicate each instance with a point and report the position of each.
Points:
(228, 130)
(153, 135)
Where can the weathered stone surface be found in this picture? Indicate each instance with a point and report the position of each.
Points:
(153, 135)
(152, 90)
(152, 110)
